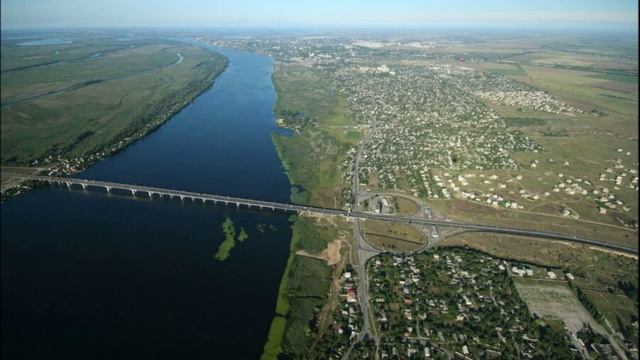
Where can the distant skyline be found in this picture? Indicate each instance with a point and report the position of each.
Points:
(614, 15)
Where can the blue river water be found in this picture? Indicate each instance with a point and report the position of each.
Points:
(91, 275)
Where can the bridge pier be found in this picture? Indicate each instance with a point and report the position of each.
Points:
(181, 197)
(108, 188)
(68, 185)
(133, 192)
(84, 186)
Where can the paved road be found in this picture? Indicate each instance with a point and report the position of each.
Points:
(227, 200)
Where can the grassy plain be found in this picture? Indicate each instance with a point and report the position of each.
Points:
(405, 206)
(304, 287)
(575, 146)
(313, 157)
(306, 101)
(393, 236)
(93, 95)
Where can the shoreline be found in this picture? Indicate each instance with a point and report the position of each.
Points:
(291, 314)
(273, 343)
(113, 146)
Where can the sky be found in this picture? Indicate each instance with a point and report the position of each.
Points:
(616, 15)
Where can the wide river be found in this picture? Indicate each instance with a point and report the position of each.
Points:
(88, 275)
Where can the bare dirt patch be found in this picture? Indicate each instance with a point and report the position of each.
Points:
(331, 254)
(555, 300)
(614, 252)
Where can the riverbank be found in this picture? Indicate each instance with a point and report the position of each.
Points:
(93, 242)
(131, 120)
(311, 158)
(304, 288)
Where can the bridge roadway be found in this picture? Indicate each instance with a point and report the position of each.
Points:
(228, 200)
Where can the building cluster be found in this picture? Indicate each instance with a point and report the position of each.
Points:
(506, 190)
(529, 100)
(421, 119)
(598, 347)
(346, 324)
(428, 131)
(453, 303)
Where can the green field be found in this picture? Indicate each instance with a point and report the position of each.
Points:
(303, 90)
(303, 290)
(505, 69)
(393, 236)
(617, 77)
(324, 130)
(313, 155)
(91, 97)
(524, 121)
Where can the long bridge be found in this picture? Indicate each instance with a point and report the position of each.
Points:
(261, 204)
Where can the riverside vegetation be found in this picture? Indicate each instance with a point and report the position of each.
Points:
(229, 242)
(65, 106)
(308, 101)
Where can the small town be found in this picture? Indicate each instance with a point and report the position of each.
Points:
(456, 303)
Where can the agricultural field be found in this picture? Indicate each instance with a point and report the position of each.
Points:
(66, 105)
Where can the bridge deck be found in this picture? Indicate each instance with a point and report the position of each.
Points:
(318, 210)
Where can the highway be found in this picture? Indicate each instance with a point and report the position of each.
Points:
(261, 204)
